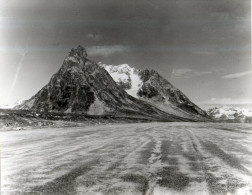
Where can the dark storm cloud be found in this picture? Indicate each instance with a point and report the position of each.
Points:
(200, 35)
(134, 22)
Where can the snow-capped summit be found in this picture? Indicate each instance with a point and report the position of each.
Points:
(151, 87)
(125, 76)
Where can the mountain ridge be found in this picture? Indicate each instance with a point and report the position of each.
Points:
(232, 113)
(83, 86)
(150, 86)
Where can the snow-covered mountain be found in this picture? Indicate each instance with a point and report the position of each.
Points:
(231, 113)
(150, 86)
(82, 86)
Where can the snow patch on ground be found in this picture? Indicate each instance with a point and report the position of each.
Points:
(69, 110)
(97, 108)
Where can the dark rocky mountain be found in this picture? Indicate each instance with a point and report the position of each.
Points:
(150, 86)
(82, 86)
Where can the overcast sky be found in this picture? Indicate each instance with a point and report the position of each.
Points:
(203, 47)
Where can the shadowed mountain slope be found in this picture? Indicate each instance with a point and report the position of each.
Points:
(151, 87)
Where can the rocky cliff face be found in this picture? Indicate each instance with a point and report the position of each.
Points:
(150, 86)
(82, 86)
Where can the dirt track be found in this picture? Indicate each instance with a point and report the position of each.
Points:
(154, 158)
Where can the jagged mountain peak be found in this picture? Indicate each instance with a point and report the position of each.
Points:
(77, 55)
(82, 86)
(78, 52)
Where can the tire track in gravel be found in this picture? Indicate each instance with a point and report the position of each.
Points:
(57, 163)
(197, 164)
(64, 185)
(153, 166)
(228, 159)
(217, 166)
(149, 156)
(114, 167)
(164, 163)
(170, 174)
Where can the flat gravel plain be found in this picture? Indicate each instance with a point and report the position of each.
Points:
(142, 158)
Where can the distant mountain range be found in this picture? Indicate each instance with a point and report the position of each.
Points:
(13, 105)
(83, 86)
(231, 113)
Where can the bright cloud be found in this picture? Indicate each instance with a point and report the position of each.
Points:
(227, 100)
(94, 36)
(236, 75)
(188, 73)
(106, 51)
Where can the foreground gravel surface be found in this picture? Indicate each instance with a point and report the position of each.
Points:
(143, 158)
